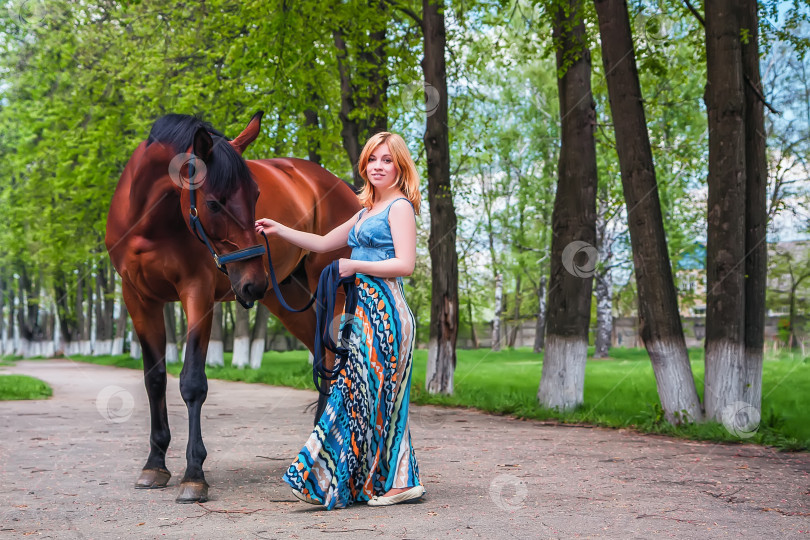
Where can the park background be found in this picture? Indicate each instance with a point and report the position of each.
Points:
(81, 84)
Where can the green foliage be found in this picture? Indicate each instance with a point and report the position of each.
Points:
(14, 387)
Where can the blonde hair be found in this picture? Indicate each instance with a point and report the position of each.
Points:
(407, 176)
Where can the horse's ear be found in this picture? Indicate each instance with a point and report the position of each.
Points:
(202, 143)
(249, 134)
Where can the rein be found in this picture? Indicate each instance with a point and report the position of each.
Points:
(240, 255)
(328, 287)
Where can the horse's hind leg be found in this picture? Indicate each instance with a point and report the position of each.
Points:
(147, 319)
(194, 389)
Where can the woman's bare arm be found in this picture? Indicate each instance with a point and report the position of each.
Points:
(334, 239)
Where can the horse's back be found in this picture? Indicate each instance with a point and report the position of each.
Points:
(307, 185)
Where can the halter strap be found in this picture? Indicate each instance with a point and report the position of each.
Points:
(199, 231)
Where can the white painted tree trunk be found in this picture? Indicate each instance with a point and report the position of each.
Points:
(117, 346)
(241, 351)
(753, 379)
(439, 378)
(170, 325)
(241, 338)
(172, 356)
(604, 314)
(216, 347)
(673, 377)
(23, 348)
(120, 330)
(725, 377)
(134, 345)
(216, 354)
(258, 336)
(256, 353)
(103, 347)
(540, 325)
(496, 322)
(562, 383)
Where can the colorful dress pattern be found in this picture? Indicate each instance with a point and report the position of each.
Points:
(361, 446)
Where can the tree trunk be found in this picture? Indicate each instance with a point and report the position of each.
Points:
(756, 211)
(76, 345)
(28, 320)
(791, 339)
(66, 304)
(259, 333)
(241, 338)
(573, 219)
(3, 329)
(659, 319)
(496, 321)
(227, 326)
(312, 123)
(87, 329)
(604, 314)
(473, 334)
(725, 249)
(442, 242)
(363, 93)
(170, 323)
(540, 328)
(105, 288)
(602, 277)
(134, 345)
(515, 314)
(25, 330)
(216, 346)
(120, 329)
(11, 317)
(48, 341)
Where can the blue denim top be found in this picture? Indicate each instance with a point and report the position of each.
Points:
(371, 240)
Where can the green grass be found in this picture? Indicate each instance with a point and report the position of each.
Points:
(22, 387)
(619, 392)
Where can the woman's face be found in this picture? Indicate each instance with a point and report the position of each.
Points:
(381, 171)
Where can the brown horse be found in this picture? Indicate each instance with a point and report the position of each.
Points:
(154, 247)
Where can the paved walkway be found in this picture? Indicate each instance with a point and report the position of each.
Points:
(67, 466)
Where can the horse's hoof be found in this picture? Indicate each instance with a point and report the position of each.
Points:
(192, 492)
(153, 479)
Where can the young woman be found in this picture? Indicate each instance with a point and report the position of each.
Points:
(361, 448)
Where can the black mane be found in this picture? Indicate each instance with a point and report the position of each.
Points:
(226, 168)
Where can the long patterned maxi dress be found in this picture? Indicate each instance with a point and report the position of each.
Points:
(361, 446)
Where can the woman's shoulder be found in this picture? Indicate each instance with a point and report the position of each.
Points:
(401, 204)
(401, 208)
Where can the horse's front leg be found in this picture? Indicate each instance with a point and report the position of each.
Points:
(147, 320)
(194, 389)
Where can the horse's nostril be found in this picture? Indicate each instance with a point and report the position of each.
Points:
(251, 291)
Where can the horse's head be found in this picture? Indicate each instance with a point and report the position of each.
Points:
(220, 196)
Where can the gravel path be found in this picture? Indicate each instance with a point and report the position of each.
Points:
(68, 464)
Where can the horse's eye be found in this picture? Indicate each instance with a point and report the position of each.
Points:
(214, 206)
